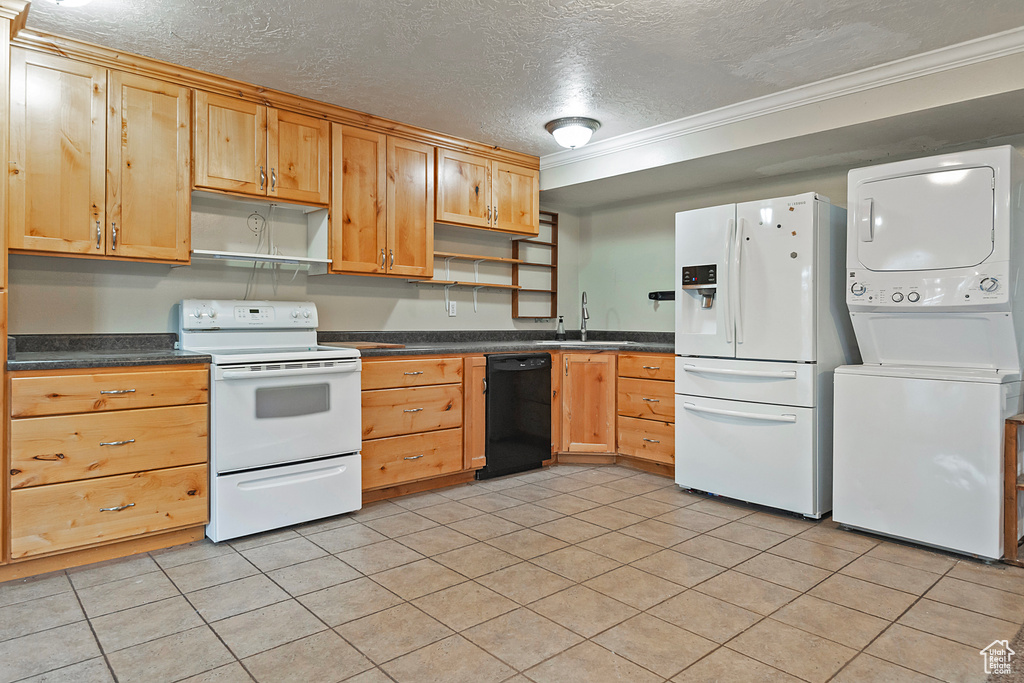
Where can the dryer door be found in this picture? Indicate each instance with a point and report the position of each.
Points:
(929, 221)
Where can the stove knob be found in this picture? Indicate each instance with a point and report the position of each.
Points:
(198, 313)
(305, 313)
(897, 297)
(989, 284)
(212, 314)
(295, 313)
(857, 289)
(913, 297)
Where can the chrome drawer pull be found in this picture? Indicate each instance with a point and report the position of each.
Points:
(117, 391)
(412, 410)
(651, 440)
(413, 457)
(652, 367)
(651, 400)
(418, 372)
(117, 443)
(118, 508)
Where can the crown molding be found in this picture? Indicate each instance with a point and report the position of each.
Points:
(927, 63)
(16, 11)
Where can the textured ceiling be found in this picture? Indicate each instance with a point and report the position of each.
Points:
(496, 70)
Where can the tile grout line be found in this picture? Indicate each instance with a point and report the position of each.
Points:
(92, 629)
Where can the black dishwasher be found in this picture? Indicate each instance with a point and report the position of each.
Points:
(518, 413)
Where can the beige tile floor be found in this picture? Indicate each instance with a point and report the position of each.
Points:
(572, 574)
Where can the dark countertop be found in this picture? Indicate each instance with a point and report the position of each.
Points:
(502, 341)
(71, 351)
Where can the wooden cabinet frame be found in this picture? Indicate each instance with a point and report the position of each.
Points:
(477, 192)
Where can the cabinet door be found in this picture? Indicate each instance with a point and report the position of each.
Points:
(358, 221)
(475, 413)
(298, 155)
(588, 403)
(463, 189)
(410, 208)
(230, 144)
(56, 182)
(148, 193)
(515, 195)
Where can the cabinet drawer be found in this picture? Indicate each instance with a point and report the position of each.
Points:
(390, 412)
(647, 398)
(45, 519)
(647, 367)
(647, 439)
(411, 373)
(60, 394)
(407, 458)
(46, 450)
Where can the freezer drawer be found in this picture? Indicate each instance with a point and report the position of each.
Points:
(250, 502)
(790, 384)
(921, 459)
(750, 451)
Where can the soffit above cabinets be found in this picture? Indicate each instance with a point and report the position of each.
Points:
(496, 71)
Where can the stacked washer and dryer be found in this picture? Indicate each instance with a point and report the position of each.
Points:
(935, 248)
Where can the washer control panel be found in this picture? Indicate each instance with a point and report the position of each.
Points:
(892, 291)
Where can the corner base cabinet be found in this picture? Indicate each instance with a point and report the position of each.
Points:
(588, 403)
(101, 456)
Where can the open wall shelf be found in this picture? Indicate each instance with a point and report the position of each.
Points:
(531, 256)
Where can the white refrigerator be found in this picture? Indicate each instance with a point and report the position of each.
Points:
(760, 326)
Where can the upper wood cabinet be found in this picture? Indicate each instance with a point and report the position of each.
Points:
(382, 204)
(99, 161)
(588, 402)
(253, 149)
(481, 193)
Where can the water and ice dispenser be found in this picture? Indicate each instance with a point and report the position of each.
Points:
(704, 280)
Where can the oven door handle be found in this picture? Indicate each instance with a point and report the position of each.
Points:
(295, 372)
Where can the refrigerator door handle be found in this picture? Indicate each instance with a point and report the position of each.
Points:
(728, 300)
(739, 413)
(737, 260)
(777, 374)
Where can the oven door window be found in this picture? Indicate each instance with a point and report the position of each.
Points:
(292, 401)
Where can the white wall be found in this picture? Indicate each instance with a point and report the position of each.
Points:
(628, 250)
(72, 295)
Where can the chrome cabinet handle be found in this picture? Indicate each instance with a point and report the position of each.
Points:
(412, 410)
(418, 372)
(118, 508)
(99, 234)
(413, 457)
(117, 443)
(263, 178)
(566, 366)
(117, 391)
(651, 400)
(382, 259)
(273, 180)
(651, 440)
(488, 215)
(652, 367)
(392, 258)
(113, 234)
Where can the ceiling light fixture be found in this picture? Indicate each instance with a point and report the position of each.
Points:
(572, 131)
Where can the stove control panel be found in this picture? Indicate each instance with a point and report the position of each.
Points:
(219, 314)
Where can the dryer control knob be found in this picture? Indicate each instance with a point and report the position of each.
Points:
(897, 297)
(857, 289)
(989, 284)
(913, 297)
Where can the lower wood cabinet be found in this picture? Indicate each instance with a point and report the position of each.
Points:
(588, 403)
(105, 455)
(646, 407)
(413, 412)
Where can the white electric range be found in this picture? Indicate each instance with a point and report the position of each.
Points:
(285, 415)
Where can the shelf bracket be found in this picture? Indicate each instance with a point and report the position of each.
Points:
(476, 269)
(475, 290)
(447, 269)
(447, 298)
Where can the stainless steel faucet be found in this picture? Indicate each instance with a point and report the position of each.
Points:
(584, 317)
